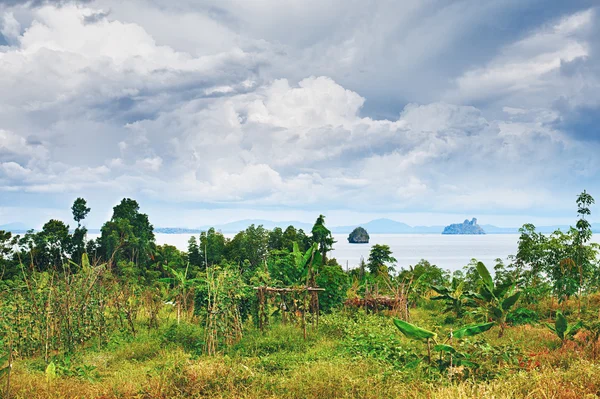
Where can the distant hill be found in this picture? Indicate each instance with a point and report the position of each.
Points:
(14, 227)
(466, 227)
(377, 226)
(237, 226)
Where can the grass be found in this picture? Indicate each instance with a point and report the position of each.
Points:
(351, 355)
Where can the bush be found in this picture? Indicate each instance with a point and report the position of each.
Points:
(278, 338)
(190, 337)
(522, 316)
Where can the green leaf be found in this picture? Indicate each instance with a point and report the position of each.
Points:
(444, 348)
(50, 372)
(485, 276)
(413, 364)
(413, 332)
(85, 261)
(511, 300)
(4, 371)
(441, 290)
(502, 289)
(551, 327)
(470, 331)
(561, 324)
(572, 330)
(495, 312)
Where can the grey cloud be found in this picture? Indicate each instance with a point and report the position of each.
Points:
(207, 120)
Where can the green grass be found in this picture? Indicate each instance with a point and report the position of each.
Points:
(351, 355)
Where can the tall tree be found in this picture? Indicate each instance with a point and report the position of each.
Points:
(381, 259)
(193, 252)
(80, 211)
(51, 246)
(584, 254)
(323, 237)
(128, 236)
(212, 247)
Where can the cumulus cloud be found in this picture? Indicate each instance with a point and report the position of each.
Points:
(220, 109)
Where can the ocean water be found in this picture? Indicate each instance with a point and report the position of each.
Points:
(446, 251)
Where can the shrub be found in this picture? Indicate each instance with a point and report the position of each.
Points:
(190, 337)
(522, 316)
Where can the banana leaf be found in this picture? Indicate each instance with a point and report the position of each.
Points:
(485, 276)
(511, 300)
(561, 325)
(470, 331)
(413, 332)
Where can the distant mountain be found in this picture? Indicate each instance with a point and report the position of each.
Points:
(237, 226)
(176, 230)
(14, 227)
(377, 226)
(466, 227)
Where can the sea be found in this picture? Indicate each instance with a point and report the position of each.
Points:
(451, 252)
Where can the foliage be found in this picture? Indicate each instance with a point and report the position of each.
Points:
(454, 296)
(380, 259)
(322, 237)
(495, 301)
(562, 329)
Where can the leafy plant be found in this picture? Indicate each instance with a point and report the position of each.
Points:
(562, 329)
(455, 297)
(495, 301)
(416, 333)
(470, 331)
(6, 367)
(522, 316)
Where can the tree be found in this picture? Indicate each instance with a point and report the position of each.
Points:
(276, 241)
(584, 254)
(250, 245)
(323, 237)
(194, 257)
(80, 210)
(128, 236)
(380, 256)
(212, 247)
(51, 246)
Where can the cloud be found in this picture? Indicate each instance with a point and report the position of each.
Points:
(219, 106)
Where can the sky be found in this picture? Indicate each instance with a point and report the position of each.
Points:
(209, 111)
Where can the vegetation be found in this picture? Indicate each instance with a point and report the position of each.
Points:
(123, 317)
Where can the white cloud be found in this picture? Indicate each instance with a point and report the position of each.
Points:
(528, 71)
(217, 106)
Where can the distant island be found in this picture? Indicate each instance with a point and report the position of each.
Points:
(358, 236)
(467, 227)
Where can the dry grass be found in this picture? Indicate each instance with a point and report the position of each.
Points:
(263, 367)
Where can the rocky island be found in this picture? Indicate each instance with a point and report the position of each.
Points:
(467, 227)
(358, 236)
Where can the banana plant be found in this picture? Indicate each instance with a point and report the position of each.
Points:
(416, 333)
(496, 300)
(181, 286)
(420, 334)
(562, 329)
(307, 261)
(458, 358)
(455, 297)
